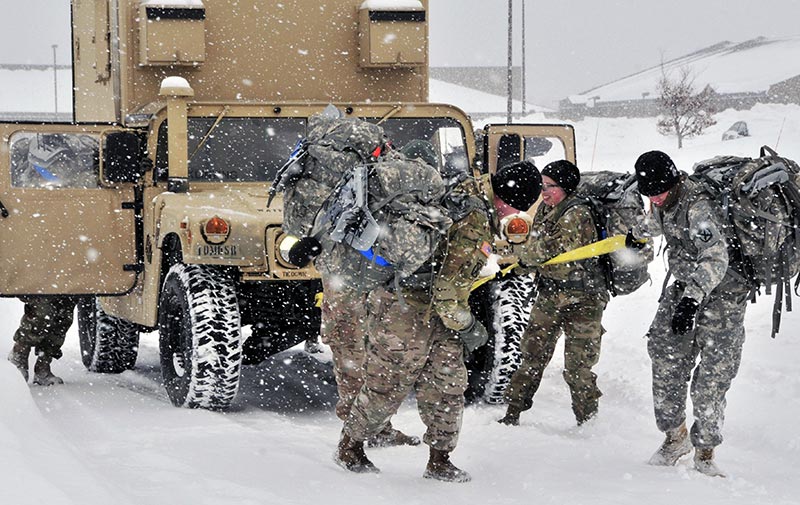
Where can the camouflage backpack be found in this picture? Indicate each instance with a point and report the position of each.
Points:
(334, 146)
(760, 200)
(342, 184)
(389, 210)
(616, 206)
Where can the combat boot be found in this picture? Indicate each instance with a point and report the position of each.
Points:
(42, 375)
(350, 456)
(390, 437)
(19, 358)
(675, 445)
(440, 468)
(512, 416)
(704, 463)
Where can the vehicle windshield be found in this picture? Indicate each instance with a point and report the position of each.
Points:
(252, 149)
(445, 135)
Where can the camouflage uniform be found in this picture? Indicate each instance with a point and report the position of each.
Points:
(699, 262)
(45, 323)
(347, 276)
(413, 334)
(572, 297)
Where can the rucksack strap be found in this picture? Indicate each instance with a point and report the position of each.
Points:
(604, 261)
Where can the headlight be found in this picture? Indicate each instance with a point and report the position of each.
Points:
(285, 242)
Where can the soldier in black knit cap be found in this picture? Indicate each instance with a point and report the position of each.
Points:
(697, 334)
(572, 298)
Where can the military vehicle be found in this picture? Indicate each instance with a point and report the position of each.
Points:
(152, 203)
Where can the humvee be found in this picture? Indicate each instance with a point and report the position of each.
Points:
(152, 204)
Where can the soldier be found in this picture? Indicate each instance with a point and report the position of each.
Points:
(420, 331)
(43, 326)
(572, 297)
(346, 278)
(701, 314)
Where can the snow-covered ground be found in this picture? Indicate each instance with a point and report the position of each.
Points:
(103, 439)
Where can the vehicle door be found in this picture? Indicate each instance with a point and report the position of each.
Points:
(62, 229)
(540, 143)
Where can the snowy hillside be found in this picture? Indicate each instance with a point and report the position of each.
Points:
(103, 439)
(751, 66)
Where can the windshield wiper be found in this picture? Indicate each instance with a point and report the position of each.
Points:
(389, 114)
(211, 129)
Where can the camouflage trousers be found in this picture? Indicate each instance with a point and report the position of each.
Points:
(717, 341)
(406, 350)
(344, 314)
(578, 315)
(45, 323)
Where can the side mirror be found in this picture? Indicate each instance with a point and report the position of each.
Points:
(509, 149)
(122, 157)
(537, 146)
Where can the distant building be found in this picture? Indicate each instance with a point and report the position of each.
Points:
(482, 92)
(492, 80)
(738, 76)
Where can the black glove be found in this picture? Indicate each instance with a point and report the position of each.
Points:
(683, 317)
(632, 242)
(305, 250)
(473, 336)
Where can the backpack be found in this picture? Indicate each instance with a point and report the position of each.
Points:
(334, 145)
(760, 200)
(341, 184)
(616, 206)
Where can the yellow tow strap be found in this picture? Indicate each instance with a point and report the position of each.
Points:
(483, 280)
(605, 246)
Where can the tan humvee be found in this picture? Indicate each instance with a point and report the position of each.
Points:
(169, 228)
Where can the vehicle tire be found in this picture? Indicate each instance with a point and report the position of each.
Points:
(108, 344)
(200, 337)
(480, 361)
(511, 316)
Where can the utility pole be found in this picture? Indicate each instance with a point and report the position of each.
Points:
(55, 82)
(510, 61)
(524, 106)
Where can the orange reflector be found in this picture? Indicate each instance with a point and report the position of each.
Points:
(517, 226)
(377, 152)
(216, 226)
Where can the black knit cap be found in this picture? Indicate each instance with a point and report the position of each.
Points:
(518, 184)
(655, 173)
(565, 174)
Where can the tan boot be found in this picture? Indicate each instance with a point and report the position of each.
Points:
(675, 445)
(440, 468)
(19, 358)
(512, 416)
(350, 456)
(704, 463)
(390, 437)
(42, 375)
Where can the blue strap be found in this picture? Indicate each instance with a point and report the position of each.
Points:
(370, 255)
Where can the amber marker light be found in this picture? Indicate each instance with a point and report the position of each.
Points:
(517, 230)
(216, 230)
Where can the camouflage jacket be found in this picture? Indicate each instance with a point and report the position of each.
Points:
(556, 230)
(694, 231)
(464, 253)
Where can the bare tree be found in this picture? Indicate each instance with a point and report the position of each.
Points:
(685, 113)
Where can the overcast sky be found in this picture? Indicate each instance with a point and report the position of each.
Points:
(574, 45)
(571, 45)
